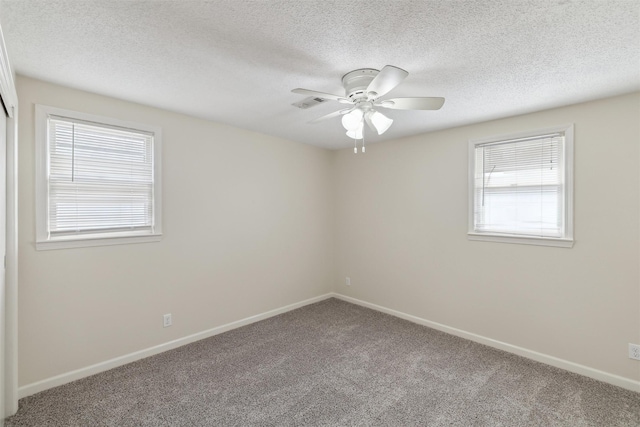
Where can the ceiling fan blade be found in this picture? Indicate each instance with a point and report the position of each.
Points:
(388, 78)
(425, 103)
(331, 115)
(321, 95)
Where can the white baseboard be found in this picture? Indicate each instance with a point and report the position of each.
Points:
(617, 380)
(36, 387)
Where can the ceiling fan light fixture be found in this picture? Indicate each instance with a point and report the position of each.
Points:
(364, 89)
(381, 122)
(352, 120)
(356, 133)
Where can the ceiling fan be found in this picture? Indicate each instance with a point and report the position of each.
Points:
(363, 89)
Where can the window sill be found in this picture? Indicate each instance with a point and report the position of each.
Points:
(521, 240)
(95, 241)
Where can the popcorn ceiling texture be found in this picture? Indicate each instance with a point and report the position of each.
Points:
(236, 61)
(333, 364)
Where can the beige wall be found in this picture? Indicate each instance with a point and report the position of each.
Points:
(247, 228)
(401, 223)
(254, 223)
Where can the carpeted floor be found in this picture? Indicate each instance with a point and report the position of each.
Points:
(332, 364)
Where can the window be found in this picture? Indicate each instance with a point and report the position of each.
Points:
(97, 180)
(521, 186)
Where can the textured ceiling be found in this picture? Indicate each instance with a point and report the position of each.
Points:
(236, 61)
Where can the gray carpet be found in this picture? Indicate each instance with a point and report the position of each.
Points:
(332, 364)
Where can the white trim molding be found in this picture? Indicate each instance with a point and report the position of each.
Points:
(7, 84)
(58, 380)
(508, 238)
(10, 99)
(44, 241)
(576, 368)
(564, 241)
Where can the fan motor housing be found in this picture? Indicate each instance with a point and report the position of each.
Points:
(356, 82)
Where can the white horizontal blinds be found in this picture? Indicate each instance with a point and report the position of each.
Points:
(519, 186)
(100, 178)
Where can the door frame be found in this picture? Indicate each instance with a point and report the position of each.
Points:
(10, 99)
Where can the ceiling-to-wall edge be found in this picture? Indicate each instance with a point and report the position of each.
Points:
(427, 135)
(178, 113)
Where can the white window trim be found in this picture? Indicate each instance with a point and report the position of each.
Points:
(565, 242)
(42, 197)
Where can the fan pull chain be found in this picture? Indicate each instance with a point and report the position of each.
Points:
(363, 141)
(355, 146)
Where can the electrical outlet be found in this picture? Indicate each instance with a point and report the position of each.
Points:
(347, 281)
(166, 320)
(634, 351)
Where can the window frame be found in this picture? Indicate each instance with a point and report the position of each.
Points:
(565, 241)
(43, 242)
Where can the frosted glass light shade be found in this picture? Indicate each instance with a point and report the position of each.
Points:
(352, 120)
(357, 132)
(381, 122)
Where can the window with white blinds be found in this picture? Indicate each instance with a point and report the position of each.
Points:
(520, 188)
(100, 179)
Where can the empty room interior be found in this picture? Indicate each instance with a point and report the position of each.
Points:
(280, 212)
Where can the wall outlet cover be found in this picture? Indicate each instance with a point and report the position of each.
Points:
(166, 320)
(634, 351)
